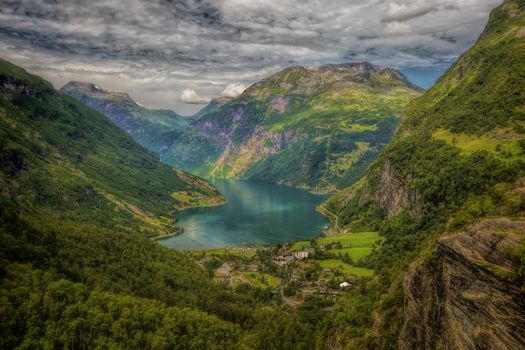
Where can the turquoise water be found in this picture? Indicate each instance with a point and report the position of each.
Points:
(257, 213)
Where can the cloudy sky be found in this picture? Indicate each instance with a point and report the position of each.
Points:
(178, 54)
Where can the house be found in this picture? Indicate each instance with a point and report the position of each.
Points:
(303, 254)
(344, 285)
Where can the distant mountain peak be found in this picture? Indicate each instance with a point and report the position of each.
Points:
(299, 79)
(213, 106)
(95, 91)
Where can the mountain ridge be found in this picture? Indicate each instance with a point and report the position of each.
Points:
(348, 109)
(152, 128)
(323, 125)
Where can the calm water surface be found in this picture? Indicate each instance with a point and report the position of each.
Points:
(256, 213)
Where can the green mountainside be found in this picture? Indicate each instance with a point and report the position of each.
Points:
(152, 128)
(63, 160)
(458, 158)
(317, 128)
(458, 140)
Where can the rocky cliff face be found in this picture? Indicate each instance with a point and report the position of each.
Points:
(391, 194)
(470, 297)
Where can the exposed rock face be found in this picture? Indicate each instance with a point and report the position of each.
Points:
(470, 299)
(392, 195)
(279, 103)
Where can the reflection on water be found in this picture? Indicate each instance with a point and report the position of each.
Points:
(256, 213)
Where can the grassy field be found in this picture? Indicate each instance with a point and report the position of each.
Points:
(257, 279)
(337, 264)
(300, 245)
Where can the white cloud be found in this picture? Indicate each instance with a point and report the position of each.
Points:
(190, 96)
(233, 90)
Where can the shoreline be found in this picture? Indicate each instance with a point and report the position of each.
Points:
(169, 235)
(200, 206)
(180, 228)
(329, 215)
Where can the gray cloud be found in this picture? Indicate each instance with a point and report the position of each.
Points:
(155, 49)
(405, 13)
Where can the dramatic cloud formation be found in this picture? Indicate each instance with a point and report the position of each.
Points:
(190, 96)
(155, 49)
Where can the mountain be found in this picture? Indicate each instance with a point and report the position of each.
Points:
(317, 128)
(448, 195)
(152, 128)
(213, 106)
(61, 159)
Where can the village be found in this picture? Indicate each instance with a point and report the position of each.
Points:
(323, 267)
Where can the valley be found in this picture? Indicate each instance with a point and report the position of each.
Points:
(336, 206)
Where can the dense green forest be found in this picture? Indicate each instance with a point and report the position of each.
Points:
(65, 285)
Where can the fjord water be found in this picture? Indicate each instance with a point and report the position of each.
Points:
(257, 213)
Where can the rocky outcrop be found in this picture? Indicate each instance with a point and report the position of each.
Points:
(260, 145)
(391, 194)
(468, 297)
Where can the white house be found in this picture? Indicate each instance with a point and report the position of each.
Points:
(344, 284)
(303, 254)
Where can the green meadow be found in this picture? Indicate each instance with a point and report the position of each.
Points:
(356, 244)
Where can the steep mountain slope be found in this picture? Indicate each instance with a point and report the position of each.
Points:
(316, 128)
(59, 157)
(151, 128)
(213, 106)
(458, 158)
